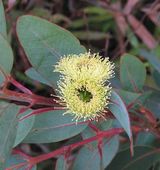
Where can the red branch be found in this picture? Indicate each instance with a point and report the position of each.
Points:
(20, 86)
(31, 161)
(28, 98)
(101, 134)
(148, 114)
(25, 95)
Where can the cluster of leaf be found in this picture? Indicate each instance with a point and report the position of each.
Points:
(27, 118)
(111, 27)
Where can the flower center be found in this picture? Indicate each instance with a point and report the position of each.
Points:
(84, 95)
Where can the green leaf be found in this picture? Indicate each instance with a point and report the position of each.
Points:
(132, 73)
(61, 164)
(115, 81)
(8, 129)
(44, 43)
(152, 103)
(52, 126)
(87, 133)
(91, 35)
(17, 159)
(33, 74)
(156, 76)
(103, 125)
(106, 124)
(6, 58)
(24, 127)
(93, 20)
(142, 99)
(144, 157)
(127, 96)
(152, 58)
(145, 138)
(132, 38)
(119, 110)
(96, 11)
(3, 29)
(89, 158)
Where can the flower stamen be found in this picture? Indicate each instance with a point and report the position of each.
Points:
(84, 84)
(84, 95)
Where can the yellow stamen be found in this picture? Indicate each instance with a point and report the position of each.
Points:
(83, 86)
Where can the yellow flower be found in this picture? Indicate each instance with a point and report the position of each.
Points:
(83, 86)
(84, 99)
(86, 66)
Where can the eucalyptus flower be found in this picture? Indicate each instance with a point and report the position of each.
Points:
(84, 85)
(86, 66)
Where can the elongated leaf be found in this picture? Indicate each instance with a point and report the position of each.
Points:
(61, 164)
(144, 157)
(53, 127)
(133, 39)
(132, 73)
(119, 110)
(92, 10)
(142, 100)
(44, 43)
(145, 138)
(23, 128)
(17, 159)
(88, 158)
(8, 123)
(6, 58)
(152, 58)
(127, 96)
(33, 74)
(153, 103)
(3, 30)
(156, 76)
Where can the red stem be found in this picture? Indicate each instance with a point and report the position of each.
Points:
(27, 95)
(148, 114)
(31, 161)
(52, 154)
(40, 111)
(19, 86)
(29, 98)
(16, 166)
(93, 127)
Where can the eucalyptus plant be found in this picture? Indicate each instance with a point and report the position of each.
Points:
(102, 113)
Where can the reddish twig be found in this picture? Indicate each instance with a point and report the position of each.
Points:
(102, 134)
(93, 127)
(20, 86)
(28, 98)
(31, 161)
(148, 114)
(40, 111)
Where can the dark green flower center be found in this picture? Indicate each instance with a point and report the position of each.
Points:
(84, 95)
